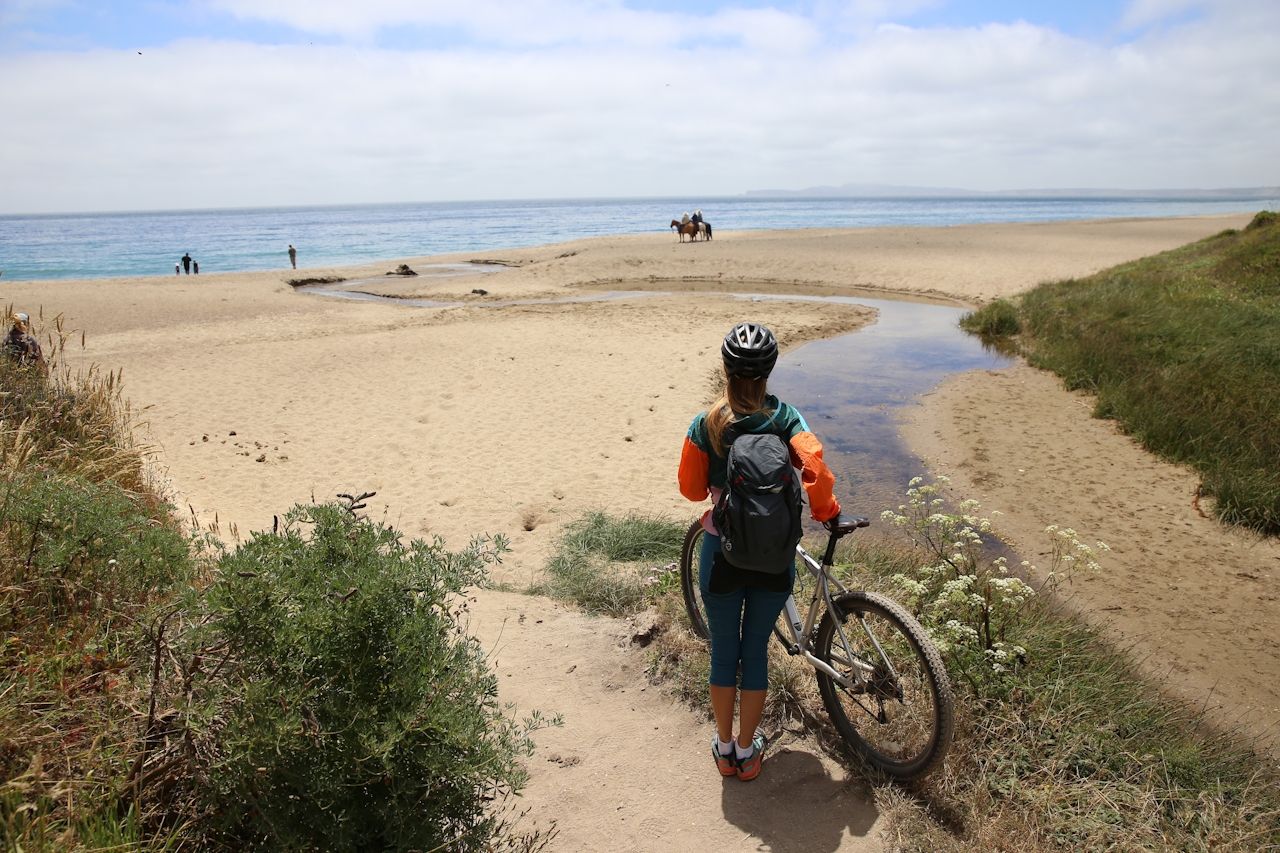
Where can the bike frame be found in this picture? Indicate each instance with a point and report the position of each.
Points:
(802, 631)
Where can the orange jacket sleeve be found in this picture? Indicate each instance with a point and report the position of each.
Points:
(693, 472)
(806, 454)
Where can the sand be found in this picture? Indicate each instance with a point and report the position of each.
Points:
(478, 418)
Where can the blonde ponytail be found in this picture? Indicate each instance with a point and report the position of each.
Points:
(740, 398)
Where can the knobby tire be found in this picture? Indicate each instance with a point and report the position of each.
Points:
(690, 559)
(918, 706)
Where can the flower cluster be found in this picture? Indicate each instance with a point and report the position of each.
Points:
(965, 596)
(661, 580)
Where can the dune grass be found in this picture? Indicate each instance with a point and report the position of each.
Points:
(612, 565)
(88, 549)
(1074, 750)
(1182, 349)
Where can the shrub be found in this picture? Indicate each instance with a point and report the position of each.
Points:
(1263, 219)
(351, 711)
(999, 319)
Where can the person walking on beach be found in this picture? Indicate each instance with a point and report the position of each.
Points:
(293, 256)
(195, 267)
(742, 605)
(21, 345)
(186, 263)
(177, 269)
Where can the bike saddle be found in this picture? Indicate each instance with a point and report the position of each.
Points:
(849, 524)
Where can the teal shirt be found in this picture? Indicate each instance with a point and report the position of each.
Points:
(781, 419)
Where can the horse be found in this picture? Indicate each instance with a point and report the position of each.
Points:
(687, 228)
(692, 229)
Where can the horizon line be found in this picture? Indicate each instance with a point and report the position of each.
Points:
(871, 192)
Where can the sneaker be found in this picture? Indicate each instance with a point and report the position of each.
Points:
(749, 767)
(726, 764)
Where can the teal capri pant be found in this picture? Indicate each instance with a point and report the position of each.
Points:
(740, 623)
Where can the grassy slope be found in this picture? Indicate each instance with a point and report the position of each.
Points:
(87, 552)
(1183, 349)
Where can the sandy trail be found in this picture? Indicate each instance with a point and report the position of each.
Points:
(631, 769)
(511, 420)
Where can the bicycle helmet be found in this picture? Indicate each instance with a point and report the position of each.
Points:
(750, 351)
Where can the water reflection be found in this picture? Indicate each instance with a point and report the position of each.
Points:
(852, 390)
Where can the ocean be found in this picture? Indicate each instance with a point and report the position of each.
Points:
(104, 245)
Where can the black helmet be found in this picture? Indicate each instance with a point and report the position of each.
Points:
(750, 351)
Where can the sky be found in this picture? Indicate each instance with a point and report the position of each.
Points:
(156, 104)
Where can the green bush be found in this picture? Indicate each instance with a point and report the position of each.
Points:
(353, 713)
(1263, 219)
(70, 544)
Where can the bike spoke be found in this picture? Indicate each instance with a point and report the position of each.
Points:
(891, 714)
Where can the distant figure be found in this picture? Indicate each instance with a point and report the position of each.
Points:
(293, 256)
(186, 263)
(195, 267)
(21, 345)
(684, 220)
(177, 269)
(697, 216)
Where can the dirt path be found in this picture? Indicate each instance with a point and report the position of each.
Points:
(1196, 601)
(630, 769)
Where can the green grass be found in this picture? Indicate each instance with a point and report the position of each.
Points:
(1076, 751)
(1182, 349)
(603, 564)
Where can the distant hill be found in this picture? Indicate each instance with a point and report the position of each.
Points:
(894, 191)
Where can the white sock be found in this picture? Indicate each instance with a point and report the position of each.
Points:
(725, 748)
(742, 753)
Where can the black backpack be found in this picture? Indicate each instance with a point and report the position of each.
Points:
(758, 514)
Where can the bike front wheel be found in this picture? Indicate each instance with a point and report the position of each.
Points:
(900, 717)
(690, 563)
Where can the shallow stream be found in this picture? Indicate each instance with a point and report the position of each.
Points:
(852, 389)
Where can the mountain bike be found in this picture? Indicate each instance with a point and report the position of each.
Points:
(882, 680)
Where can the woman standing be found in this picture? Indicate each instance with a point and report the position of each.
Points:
(742, 605)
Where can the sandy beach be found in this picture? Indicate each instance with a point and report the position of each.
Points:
(512, 419)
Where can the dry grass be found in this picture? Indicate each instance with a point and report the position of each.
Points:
(87, 550)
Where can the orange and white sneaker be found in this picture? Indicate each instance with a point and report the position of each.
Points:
(749, 767)
(726, 764)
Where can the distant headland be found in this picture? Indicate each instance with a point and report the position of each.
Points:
(896, 191)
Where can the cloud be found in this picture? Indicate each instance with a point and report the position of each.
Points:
(530, 22)
(770, 102)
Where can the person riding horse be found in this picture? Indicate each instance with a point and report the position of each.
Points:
(692, 226)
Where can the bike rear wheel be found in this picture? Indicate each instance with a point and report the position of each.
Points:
(690, 563)
(901, 720)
